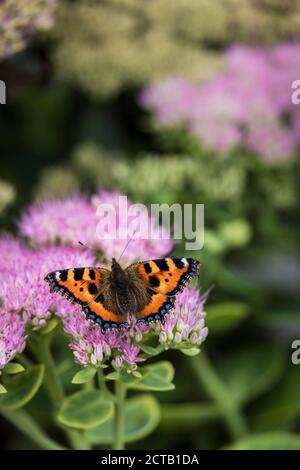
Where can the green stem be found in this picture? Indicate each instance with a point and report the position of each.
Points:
(25, 361)
(22, 421)
(217, 390)
(188, 415)
(42, 349)
(51, 380)
(102, 383)
(120, 393)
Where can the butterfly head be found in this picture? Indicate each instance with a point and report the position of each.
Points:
(118, 275)
(115, 264)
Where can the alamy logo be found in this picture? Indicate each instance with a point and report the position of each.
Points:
(295, 97)
(2, 92)
(123, 220)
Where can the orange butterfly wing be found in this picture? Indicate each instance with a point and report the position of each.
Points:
(164, 278)
(83, 286)
(158, 307)
(169, 275)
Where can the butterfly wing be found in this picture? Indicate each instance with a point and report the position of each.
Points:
(90, 288)
(163, 279)
(158, 306)
(168, 275)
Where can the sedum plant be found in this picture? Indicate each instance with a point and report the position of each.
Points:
(247, 105)
(7, 195)
(107, 46)
(109, 364)
(20, 19)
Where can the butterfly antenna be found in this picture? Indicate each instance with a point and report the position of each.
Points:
(84, 245)
(126, 246)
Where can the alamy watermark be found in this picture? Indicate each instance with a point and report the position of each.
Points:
(159, 222)
(295, 97)
(2, 92)
(295, 357)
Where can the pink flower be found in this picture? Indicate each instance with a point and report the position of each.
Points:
(22, 287)
(92, 347)
(152, 241)
(27, 302)
(244, 105)
(65, 221)
(12, 336)
(75, 219)
(184, 326)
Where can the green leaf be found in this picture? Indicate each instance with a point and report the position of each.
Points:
(236, 232)
(113, 376)
(156, 377)
(141, 418)
(163, 370)
(252, 372)
(268, 441)
(2, 389)
(127, 378)
(85, 409)
(190, 351)
(187, 415)
(150, 350)
(281, 407)
(83, 376)
(280, 320)
(50, 326)
(13, 368)
(214, 243)
(225, 316)
(137, 374)
(21, 387)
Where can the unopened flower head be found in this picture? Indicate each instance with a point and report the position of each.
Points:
(92, 347)
(184, 327)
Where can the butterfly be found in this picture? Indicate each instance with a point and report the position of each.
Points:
(145, 290)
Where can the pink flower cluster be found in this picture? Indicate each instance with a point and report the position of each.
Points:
(247, 105)
(183, 328)
(91, 347)
(12, 337)
(53, 229)
(22, 287)
(186, 325)
(74, 219)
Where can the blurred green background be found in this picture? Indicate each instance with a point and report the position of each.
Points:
(73, 120)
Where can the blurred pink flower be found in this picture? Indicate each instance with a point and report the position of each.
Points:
(248, 104)
(20, 19)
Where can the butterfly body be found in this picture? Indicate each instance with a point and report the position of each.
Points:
(144, 290)
(128, 291)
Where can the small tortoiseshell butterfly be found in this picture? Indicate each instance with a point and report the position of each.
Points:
(145, 290)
